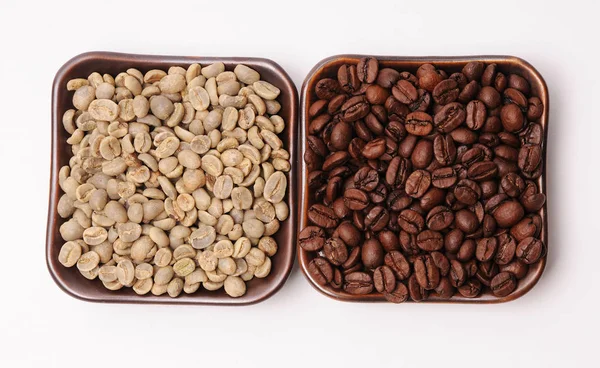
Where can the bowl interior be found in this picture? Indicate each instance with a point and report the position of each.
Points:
(81, 66)
(328, 69)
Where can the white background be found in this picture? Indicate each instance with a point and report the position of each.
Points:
(555, 324)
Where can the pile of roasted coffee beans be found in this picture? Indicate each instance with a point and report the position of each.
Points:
(423, 184)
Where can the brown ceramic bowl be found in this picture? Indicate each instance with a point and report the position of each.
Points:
(328, 68)
(76, 285)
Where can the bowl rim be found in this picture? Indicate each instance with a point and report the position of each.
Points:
(532, 278)
(135, 60)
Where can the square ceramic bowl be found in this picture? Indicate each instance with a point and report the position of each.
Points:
(328, 68)
(69, 279)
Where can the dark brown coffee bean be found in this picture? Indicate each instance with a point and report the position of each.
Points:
(379, 194)
(517, 82)
(322, 216)
(312, 238)
(506, 249)
(389, 240)
(457, 273)
(488, 225)
(486, 272)
(320, 271)
(398, 200)
(532, 134)
(338, 279)
(429, 240)
(419, 123)
(327, 88)
(348, 78)
(439, 218)
(384, 279)
(528, 226)
(377, 95)
(512, 184)
(396, 110)
(368, 69)
(335, 159)
(460, 78)
(335, 251)
(355, 148)
(333, 188)
(486, 249)
(374, 149)
(500, 83)
(467, 192)
(374, 125)
(466, 221)
(358, 283)
(411, 221)
(396, 131)
(377, 218)
(317, 145)
(441, 262)
(372, 253)
(488, 188)
(535, 108)
(530, 250)
(349, 234)
(406, 147)
(426, 272)
(356, 199)
(503, 284)
(446, 91)
(432, 198)
(422, 154)
(335, 104)
(396, 261)
(387, 77)
(464, 135)
(366, 179)
(467, 250)
(469, 92)
(398, 295)
(417, 183)
(530, 157)
(507, 213)
(405, 92)
(512, 118)
(473, 70)
(493, 124)
(476, 115)
(397, 172)
(473, 155)
(470, 289)
(317, 108)
(355, 108)
(430, 79)
(490, 97)
(443, 178)
(416, 291)
(453, 240)
(341, 135)
(444, 149)
(506, 152)
(489, 75)
(517, 268)
(481, 171)
(363, 132)
(423, 101)
(444, 289)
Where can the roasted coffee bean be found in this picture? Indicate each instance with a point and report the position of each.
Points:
(457, 273)
(384, 279)
(312, 238)
(488, 225)
(405, 92)
(444, 177)
(398, 200)
(441, 262)
(512, 184)
(374, 149)
(397, 172)
(322, 216)
(333, 189)
(317, 108)
(398, 295)
(506, 249)
(389, 240)
(476, 115)
(470, 289)
(341, 136)
(356, 199)
(529, 226)
(320, 270)
(463, 135)
(416, 291)
(358, 283)
(422, 154)
(481, 171)
(348, 78)
(453, 240)
(419, 123)
(366, 179)
(490, 97)
(429, 240)
(535, 109)
(337, 282)
(517, 268)
(503, 284)
(335, 251)
(377, 218)
(517, 82)
(349, 234)
(353, 259)
(473, 70)
(444, 289)
(426, 272)
(467, 192)
(335, 159)
(444, 149)
(355, 108)
(530, 250)
(327, 88)
(486, 249)
(387, 77)
(372, 253)
(411, 221)
(467, 250)
(417, 183)
(469, 92)
(398, 264)
(368, 70)
(466, 221)
(512, 118)
(489, 75)
(432, 198)
(439, 218)
(446, 91)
